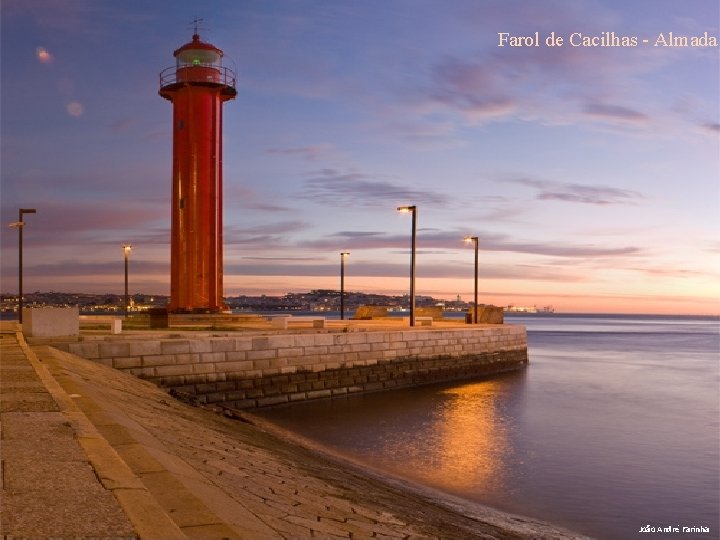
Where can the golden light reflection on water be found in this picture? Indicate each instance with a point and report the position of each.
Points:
(470, 446)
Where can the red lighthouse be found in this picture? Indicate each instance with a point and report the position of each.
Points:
(197, 86)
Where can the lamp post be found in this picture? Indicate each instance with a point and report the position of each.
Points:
(127, 248)
(19, 224)
(343, 254)
(412, 210)
(474, 240)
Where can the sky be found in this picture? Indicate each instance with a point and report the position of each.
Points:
(590, 174)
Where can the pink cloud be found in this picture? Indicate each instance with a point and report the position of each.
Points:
(443, 239)
(346, 189)
(310, 153)
(614, 113)
(579, 193)
(84, 223)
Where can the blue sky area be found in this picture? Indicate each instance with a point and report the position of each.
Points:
(589, 173)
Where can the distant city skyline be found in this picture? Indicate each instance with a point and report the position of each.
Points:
(590, 174)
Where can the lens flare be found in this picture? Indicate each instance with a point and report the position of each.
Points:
(75, 109)
(43, 55)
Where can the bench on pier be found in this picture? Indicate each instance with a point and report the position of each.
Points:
(281, 321)
(113, 321)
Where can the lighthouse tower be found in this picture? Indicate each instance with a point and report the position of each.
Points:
(197, 85)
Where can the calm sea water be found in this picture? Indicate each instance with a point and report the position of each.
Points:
(613, 426)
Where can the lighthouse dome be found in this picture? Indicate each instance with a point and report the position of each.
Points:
(198, 53)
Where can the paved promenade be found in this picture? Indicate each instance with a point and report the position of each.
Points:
(89, 452)
(49, 487)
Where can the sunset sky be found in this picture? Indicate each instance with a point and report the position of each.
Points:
(591, 175)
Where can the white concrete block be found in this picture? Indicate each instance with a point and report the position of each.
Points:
(51, 321)
(116, 326)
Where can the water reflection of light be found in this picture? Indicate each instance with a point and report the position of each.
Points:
(473, 443)
(468, 446)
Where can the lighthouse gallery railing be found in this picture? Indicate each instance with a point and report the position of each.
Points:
(197, 73)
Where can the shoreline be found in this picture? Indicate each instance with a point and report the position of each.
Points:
(510, 522)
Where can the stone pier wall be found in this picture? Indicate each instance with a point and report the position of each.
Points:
(255, 371)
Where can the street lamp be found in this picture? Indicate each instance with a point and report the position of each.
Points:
(127, 248)
(19, 224)
(343, 254)
(412, 210)
(474, 239)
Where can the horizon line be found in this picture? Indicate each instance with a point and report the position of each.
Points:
(574, 312)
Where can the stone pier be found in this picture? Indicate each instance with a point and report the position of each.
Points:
(247, 371)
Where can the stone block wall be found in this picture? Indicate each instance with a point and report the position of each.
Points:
(256, 371)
